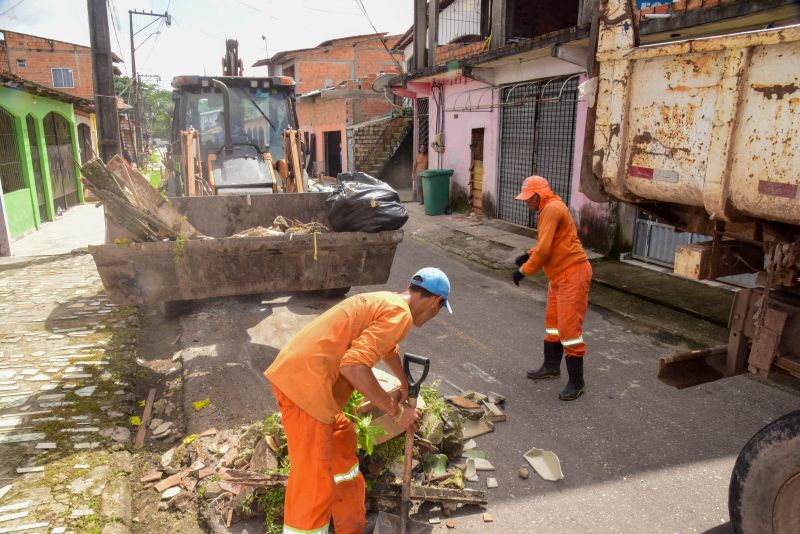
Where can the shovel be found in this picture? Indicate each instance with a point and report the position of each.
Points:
(388, 523)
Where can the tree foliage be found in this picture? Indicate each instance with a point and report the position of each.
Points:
(157, 105)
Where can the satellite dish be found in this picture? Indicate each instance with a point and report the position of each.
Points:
(382, 82)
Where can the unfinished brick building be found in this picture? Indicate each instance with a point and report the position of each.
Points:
(335, 101)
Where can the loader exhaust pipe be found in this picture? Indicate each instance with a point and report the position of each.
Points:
(226, 109)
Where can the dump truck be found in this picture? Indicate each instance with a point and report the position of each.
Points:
(233, 134)
(704, 135)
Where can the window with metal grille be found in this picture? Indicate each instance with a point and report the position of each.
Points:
(537, 136)
(21, 63)
(62, 78)
(422, 121)
(10, 168)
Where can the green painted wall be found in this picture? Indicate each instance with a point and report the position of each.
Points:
(18, 210)
(21, 104)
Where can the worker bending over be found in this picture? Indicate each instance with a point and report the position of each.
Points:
(314, 376)
(559, 253)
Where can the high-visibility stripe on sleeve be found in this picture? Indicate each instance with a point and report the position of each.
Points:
(289, 530)
(572, 342)
(344, 477)
(551, 331)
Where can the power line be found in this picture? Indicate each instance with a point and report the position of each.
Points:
(114, 23)
(12, 8)
(363, 8)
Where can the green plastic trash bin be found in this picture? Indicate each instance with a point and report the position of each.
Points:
(436, 190)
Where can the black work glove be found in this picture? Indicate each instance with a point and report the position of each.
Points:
(522, 260)
(517, 276)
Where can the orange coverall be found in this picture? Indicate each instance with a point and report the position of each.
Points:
(559, 253)
(324, 479)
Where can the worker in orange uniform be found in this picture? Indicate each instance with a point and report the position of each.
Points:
(559, 253)
(312, 379)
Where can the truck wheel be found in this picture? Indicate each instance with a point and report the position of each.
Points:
(765, 484)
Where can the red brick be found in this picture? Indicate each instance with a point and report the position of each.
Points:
(710, 3)
(679, 6)
(693, 4)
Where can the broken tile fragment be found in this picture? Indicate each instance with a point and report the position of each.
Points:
(170, 493)
(491, 483)
(487, 517)
(46, 445)
(152, 476)
(169, 482)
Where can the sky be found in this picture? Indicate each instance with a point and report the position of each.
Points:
(195, 42)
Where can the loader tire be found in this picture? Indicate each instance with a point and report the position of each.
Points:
(765, 484)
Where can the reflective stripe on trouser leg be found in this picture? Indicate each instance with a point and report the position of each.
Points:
(551, 316)
(309, 492)
(572, 296)
(349, 511)
(290, 530)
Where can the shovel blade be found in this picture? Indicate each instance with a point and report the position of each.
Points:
(390, 524)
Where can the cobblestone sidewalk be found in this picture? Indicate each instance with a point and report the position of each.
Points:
(65, 353)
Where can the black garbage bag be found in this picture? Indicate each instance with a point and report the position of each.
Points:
(362, 203)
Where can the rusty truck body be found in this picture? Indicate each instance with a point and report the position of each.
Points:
(704, 134)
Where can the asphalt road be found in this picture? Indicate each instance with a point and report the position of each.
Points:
(638, 456)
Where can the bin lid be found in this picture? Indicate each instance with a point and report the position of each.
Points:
(431, 173)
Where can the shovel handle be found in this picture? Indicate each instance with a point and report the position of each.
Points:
(413, 385)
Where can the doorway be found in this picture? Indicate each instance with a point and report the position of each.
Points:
(333, 153)
(476, 171)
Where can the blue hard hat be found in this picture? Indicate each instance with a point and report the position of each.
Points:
(435, 281)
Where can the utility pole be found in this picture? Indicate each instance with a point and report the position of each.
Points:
(136, 93)
(105, 99)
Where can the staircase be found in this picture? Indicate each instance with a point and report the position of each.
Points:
(376, 142)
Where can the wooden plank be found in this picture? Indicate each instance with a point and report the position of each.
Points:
(149, 200)
(431, 494)
(148, 410)
(296, 169)
(789, 365)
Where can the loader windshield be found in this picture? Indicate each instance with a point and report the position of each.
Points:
(258, 118)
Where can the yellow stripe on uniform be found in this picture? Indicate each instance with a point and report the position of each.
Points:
(289, 530)
(551, 331)
(344, 477)
(571, 342)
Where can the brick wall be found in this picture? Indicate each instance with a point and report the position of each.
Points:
(42, 55)
(364, 140)
(446, 53)
(362, 60)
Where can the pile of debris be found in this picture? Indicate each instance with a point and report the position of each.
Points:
(281, 226)
(241, 474)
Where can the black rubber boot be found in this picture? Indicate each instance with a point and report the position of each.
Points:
(551, 368)
(575, 386)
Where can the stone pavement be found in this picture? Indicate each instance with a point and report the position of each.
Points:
(64, 355)
(78, 227)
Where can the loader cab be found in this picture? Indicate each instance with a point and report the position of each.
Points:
(229, 151)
